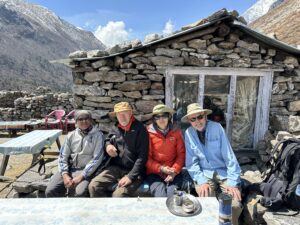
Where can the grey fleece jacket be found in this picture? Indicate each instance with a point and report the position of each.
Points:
(82, 152)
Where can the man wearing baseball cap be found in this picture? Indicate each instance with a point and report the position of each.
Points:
(127, 144)
(210, 159)
(80, 156)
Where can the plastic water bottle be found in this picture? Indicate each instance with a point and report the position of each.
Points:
(297, 191)
(225, 211)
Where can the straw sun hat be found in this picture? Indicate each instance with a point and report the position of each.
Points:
(193, 109)
(120, 107)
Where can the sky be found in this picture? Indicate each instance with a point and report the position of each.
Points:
(117, 21)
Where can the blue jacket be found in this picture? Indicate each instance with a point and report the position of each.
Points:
(215, 156)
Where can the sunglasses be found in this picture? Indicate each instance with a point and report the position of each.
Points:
(164, 116)
(83, 119)
(200, 117)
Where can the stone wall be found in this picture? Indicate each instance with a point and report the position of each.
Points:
(7, 114)
(37, 105)
(285, 105)
(41, 105)
(7, 98)
(139, 76)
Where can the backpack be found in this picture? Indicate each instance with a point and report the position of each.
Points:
(279, 186)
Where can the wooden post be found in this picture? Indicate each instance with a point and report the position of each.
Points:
(4, 164)
(58, 144)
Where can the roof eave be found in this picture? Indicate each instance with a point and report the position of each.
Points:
(267, 40)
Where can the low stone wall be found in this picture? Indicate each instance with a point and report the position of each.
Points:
(34, 105)
(7, 98)
(7, 114)
(41, 105)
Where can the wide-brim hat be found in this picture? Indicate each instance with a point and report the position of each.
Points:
(120, 107)
(193, 109)
(161, 108)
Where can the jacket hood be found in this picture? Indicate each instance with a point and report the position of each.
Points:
(152, 130)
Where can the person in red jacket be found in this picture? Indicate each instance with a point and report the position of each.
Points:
(166, 153)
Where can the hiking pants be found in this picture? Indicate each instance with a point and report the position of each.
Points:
(107, 182)
(56, 187)
(159, 188)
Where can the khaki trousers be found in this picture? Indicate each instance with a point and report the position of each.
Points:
(218, 186)
(106, 183)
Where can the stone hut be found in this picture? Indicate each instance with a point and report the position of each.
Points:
(249, 80)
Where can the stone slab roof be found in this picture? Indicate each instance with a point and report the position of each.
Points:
(154, 39)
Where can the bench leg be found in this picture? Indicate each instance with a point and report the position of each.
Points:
(4, 164)
(58, 144)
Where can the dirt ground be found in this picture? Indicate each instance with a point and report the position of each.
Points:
(18, 164)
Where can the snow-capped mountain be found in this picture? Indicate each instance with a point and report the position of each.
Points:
(260, 8)
(31, 35)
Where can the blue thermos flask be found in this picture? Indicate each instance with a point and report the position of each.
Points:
(225, 211)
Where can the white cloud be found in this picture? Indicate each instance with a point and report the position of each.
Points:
(169, 27)
(112, 33)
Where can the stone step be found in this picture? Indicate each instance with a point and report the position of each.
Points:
(32, 181)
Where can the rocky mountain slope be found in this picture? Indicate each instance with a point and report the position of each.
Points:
(282, 22)
(31, 35)
(260, 8)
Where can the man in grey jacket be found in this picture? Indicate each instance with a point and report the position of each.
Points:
(80, 156)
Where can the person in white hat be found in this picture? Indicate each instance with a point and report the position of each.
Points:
(79, 158)
(210, 159)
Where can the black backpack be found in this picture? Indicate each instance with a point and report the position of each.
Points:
(279, 185)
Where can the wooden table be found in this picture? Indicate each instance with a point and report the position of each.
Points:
(113, 211)
(31, 143)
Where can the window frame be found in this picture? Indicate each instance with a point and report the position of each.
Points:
(263, 98)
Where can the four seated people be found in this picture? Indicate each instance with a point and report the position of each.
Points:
(161, 153)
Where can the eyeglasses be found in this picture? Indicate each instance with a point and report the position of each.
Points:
(200, 117)
(82, 119)
(164, 116)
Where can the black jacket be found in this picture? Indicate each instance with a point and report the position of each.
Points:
(132, 148)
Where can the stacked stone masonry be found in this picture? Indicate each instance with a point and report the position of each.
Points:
(35, 105)
(139, 76)
(7, 98)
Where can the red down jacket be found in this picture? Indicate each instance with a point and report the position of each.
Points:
(166, 150)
